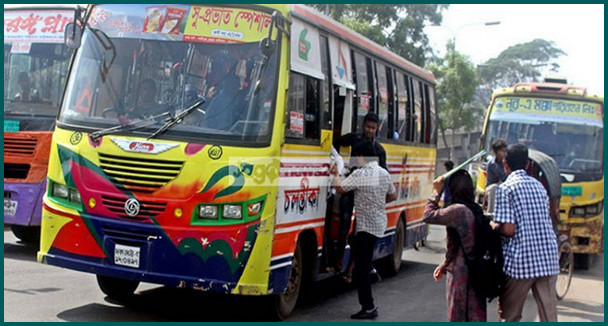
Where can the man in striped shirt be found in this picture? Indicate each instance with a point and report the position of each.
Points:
(530, 245)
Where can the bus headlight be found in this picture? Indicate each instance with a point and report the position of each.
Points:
(594, 209)
(578, 211)
(587, 210)
(207, 211)
(232, 211)
(60, 191)
(75, 196)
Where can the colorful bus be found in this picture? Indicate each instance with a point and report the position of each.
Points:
(35, 71)
(566, 123)
(220, 183)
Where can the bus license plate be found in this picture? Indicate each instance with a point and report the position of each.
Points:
(126, 256)
(10, 207)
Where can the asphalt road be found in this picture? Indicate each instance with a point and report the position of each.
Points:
(36, 292)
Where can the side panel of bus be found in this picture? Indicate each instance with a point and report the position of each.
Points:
(332, 86)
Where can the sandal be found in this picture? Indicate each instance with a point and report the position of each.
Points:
(347, 278)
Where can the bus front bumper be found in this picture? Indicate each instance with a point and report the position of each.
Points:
(587, 238)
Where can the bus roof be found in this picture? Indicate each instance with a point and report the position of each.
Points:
(43, 6)
(547, 89)
(335, 28)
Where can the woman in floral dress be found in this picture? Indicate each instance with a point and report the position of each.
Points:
(463, 304)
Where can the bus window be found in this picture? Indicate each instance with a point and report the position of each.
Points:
(303, 107)
(364, 96)
(383, 98)
(432, 117)
(402, 96)
(417, 117)
(427, 115)
(392, 104)
(326, 118)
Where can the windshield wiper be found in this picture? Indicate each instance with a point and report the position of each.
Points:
(174, 120)
(130, 126)
(108, 46)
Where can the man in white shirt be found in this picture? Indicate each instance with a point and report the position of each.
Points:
(373, 188)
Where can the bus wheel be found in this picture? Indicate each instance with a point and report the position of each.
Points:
(392, 263)
(284, 303)
(116, 288)
(29, 234)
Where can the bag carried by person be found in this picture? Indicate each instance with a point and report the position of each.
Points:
(485, 269)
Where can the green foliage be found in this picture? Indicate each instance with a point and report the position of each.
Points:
(399, 27)
(523, 62)
(456, 84)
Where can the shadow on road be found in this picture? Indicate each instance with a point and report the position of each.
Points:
(21, 251)
(586, 312)
(180, 305)
(334, 302)
(171, 304)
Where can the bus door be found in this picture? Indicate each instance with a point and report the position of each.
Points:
(305, 154)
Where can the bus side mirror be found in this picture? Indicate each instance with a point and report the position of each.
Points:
(73, 35)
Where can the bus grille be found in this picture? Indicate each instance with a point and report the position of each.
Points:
(16, 171)
(137, 174)
(20, 146)
(123, 235)
(147, 208)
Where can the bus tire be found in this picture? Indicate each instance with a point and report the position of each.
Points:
(284, 303)
(392, 263)
(116, 288)
(29, 234)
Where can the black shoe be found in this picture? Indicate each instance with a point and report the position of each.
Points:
(374, 277)
(366, 314)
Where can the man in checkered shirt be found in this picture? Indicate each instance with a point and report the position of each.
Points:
(530, 246)
(373, 188)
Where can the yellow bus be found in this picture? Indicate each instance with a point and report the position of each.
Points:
(566, 123)
(193, 144)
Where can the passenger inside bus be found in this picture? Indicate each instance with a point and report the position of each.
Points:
(146, 104)
(28, 94)
(227, 103)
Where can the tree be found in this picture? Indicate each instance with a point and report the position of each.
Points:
(456, 83)
(523, 62)
(399, 27)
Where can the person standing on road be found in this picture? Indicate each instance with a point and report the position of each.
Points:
(449, 165)
(372, 188)
(496, 173)
(463, 303)
(530, 245)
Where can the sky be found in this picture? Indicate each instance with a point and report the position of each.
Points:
(576, 29)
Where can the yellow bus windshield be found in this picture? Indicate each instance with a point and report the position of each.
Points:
(144, 60)
(571, 132)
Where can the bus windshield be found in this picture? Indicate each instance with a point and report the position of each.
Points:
(146, 61)
(574, 140)
(35, 66)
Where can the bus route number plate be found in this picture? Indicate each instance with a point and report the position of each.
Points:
(10, 207)
(126, 256)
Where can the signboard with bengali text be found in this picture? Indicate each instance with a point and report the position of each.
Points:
(35, 26)
(226, 25)
(545, 109)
